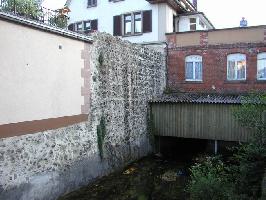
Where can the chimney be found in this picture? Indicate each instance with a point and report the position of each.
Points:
(195, 4)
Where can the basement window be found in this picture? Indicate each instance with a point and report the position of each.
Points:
(261, 66)
(236, 67)
(193, 68)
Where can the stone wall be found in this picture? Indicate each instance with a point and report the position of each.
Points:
(47, 164)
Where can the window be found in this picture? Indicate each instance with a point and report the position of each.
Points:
(134, 26)
(134, 23)
(87, 25)
(84, 26)
(127, 24)
(193, 24)
(193, 68)
(79, 26)
(92, 3)
(236, 67)
(202, 24)
(261, 66)
(137, 23)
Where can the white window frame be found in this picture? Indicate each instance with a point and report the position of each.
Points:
(260, 56)
(194, 59)
(132, 23)
(236, 57)
(194, 23)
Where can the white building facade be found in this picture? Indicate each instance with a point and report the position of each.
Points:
(135, 20)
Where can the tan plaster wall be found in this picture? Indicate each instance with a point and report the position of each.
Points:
(223, 36)
(188, 39)
(236, 36)
(38, 80)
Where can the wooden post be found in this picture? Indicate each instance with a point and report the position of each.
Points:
(215, 147)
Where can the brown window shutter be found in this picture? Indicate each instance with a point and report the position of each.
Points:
(94, 25)
(71, 27)
(147, 21)
(117, 26)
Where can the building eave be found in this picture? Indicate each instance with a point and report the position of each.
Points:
(181, 6)
(199, 13)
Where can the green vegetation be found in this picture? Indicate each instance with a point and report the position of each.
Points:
(101, 132)
(209, 180)
(30, 9)
(241, 177)
(100, 59)
(59, 21)
(26, 8)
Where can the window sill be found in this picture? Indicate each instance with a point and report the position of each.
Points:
(114, 1)
(235, 81)
(260, 81)
(92, 6)
(193, 81)
(136, 34)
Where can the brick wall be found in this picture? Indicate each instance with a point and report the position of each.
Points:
(214, 67)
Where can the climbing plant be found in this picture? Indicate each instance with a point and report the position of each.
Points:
(101, 132)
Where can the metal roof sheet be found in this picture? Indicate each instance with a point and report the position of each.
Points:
(198, 98)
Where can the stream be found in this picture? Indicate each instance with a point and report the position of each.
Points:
(151, 178)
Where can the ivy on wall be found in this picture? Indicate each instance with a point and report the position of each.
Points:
(101, 132)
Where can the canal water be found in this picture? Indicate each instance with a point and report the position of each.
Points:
(151, 178)
(155, 177)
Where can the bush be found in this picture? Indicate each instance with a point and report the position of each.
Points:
(241, 178)
(209, 180)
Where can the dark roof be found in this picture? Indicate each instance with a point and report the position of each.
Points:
(198, 98)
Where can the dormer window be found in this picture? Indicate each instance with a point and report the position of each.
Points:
(92, 3)
(193, 24)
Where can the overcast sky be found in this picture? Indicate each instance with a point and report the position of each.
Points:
(222, 13)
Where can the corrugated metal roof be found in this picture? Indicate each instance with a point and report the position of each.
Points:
(198, 98)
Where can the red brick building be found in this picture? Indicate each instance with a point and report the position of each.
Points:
(218, 61)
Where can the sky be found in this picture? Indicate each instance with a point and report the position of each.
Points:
(222, 13)
(228, 13)
(54, 4)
